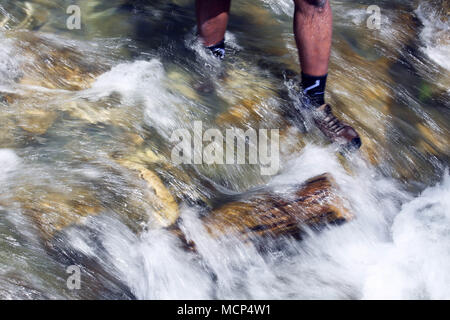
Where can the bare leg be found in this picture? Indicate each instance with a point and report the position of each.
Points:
(212, 20)
(313, 23)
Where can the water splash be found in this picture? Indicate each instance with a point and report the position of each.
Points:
(435, 34)
(389, 250)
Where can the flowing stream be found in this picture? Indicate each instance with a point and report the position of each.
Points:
(78, 104)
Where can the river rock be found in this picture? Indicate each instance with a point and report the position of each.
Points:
(180, 82)
(366, 108)
(55, 65)
(23, 15)
(166, 210)
(255, 14)
(249, 95)
(182, 181)
(98, 113)
(54, 211)
(266, 213)
(36, 121)
(7, 137)
(432, 142)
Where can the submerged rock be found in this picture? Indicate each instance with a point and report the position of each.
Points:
(249, 96)
(367, 107)
(96, 113)
(54, 211)
(55, 65)
(7, 137)
(431, 141)
(36, 121)
(49, 62)
(23, 15)
(166, 210)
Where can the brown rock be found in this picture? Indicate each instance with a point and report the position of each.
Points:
(6, 132)
(27, 15)
(269, 214)
(55, 211)
(431, 141)
(36, 121)
(54, 65)
(166, 210)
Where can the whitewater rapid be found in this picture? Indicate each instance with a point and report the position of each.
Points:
(396, 247)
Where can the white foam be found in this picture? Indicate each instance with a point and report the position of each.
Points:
(193, 42)
(9, 162)
(153, 265)
(141, 82)
(128, 78)
(435, 35)
(388, 251)
(10, 61)
(280, 7)
(415, 265)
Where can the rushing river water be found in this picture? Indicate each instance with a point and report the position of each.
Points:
(78, 106)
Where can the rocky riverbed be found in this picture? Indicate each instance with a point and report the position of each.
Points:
(87, 176)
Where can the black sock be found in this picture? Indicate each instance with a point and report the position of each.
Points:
(314, 88)
(218, 50)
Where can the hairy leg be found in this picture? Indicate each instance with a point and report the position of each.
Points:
(212, 20)
(313, 22)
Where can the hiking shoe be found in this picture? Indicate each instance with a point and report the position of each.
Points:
(334, 129)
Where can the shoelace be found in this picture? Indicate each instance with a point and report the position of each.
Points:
(330, 120)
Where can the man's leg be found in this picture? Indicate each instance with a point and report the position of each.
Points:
(313, 24)
(313, 27)
(212, 20)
